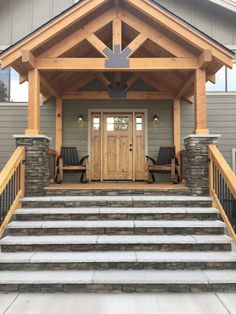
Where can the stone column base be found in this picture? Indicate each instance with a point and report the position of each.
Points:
(197, 164)
(36, 162)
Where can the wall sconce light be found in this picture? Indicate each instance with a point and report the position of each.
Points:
(156, 118)
(80, 118)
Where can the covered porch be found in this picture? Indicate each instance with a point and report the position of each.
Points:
(118, 64)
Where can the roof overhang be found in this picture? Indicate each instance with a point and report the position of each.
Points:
(147, 25)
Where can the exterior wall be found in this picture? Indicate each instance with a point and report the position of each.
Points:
(13, 120)
(221, 119)
(19, 18)
(208, 17)
(221, 116)
(76, 135)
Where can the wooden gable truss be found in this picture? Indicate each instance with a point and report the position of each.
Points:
(117, 43)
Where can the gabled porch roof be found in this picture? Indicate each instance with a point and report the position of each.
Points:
(130, 39)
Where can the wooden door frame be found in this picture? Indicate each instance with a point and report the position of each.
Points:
(101, 111)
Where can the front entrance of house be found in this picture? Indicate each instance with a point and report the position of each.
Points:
(117, 146)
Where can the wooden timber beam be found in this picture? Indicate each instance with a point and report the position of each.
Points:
(152, 82)
(58, 135)
(205, 59)
(200, 102)
(182, 30)
(133, 78)
(78, 36)
(34, 103)
(117, 33)
(98, 64)
(51, 30)
(186, 87)
(106, 95)
(104, 80)
(77, 83)
(49, 86)
(153, 34)
(97, 44)
(28, 59)
(136, 43)
(176, 126)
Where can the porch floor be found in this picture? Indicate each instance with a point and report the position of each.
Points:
(138, 186)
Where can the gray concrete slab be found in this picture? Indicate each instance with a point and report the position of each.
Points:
(207, 303)
(6, 300)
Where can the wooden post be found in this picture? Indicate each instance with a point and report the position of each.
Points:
(58, 135)
(176, 126)
(117, 33)
(33, 103)
(200, 102)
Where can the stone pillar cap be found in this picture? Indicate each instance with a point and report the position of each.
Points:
(202, 136)
(32, 136)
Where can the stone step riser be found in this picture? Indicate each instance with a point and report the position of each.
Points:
(117, 231)
(92, 217)
(118, 288)
(34, 266)
(116, 203)
(60, 192)
(163, 247)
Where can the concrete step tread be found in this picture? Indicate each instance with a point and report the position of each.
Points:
(116, 224)
(115, 239)
(116, 198)
(127, 210)
(119, 277)
(119, 257)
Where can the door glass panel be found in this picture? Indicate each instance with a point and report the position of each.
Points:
(96, 123)
(117, 123)
(139, 123)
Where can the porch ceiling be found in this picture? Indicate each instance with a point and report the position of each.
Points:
(69, 51)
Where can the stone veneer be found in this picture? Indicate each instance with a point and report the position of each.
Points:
(197, 164)
(36, 162)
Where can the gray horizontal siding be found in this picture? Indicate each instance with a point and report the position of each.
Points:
(77, 135)
(221, 119)
(13, 120)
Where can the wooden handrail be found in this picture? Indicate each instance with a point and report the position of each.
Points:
(224, 168)
(12, 186)
(221, 175)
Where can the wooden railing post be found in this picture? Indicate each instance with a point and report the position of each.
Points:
(220, 172)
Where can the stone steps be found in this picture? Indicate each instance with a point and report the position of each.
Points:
(116, 227)
(117, 260)
(128, 213)
(84, 243)
(118, 281)
(117, 243)
(116, 201)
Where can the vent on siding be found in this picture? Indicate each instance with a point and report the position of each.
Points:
(234, 159)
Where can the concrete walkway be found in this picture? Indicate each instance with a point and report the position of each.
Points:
(219, 303)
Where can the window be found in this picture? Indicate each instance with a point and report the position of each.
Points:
(117, 123)
(10, 88)
(96, 123)
(4, 85)
(139, 123)
(225, 81)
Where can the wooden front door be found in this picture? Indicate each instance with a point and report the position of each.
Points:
(118, 146)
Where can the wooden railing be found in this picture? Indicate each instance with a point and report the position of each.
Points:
(12, 184)
(52, 164)
(222, 182)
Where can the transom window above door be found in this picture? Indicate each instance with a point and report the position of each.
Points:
(117, 123)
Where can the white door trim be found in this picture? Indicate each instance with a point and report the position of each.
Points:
(135, 110)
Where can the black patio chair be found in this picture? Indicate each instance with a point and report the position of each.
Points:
(69, 161)
(166, 163)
